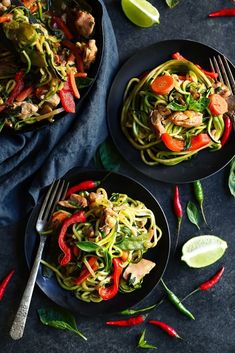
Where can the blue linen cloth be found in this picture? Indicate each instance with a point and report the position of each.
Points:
(32, 160)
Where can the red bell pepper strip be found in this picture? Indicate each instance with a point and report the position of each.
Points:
(178, 56)
(24, 94)
(85, 273)
(107, 293)
(67, 99)
(77, 53)
(73, 85)
(4, 283)
(136, 320)
(228, 126)
(84, 185)
(19, 86)
(223, 12)
(6, 17)
(77, 217)
(197, 142)
(62, 25)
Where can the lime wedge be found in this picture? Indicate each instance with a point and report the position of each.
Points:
(141, 12)
(203, 250)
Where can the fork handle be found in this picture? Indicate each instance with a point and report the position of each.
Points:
(17, 328)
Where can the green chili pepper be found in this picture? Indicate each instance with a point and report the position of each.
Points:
(177, 302)
(199, 195)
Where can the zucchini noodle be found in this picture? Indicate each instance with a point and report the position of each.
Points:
(116, 227)
(189, 95)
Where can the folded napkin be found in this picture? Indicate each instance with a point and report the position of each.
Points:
(32, 160)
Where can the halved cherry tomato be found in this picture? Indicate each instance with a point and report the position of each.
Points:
(162, 84)
(217, 105)
(197, 142)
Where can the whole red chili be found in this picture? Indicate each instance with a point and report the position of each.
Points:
(223, 12)
(208, 284)
(136, 320)
(227, 130)
(75, 218)
(178, 211)
(84, 185)
(165, 327)
(4, 283)
(107, 293)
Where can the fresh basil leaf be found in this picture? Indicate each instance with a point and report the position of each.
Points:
(231, 179)
(83, 82)
(87, 246)
(176, 106)
(172, 3)
(142, 343)
(198, 105)
(108, 156)
(59, 318)
(193, 213)
(108, 261)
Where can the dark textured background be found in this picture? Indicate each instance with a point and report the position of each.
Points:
(213, 329)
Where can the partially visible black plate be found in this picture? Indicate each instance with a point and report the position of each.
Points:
(159, 254)
(97, 12)
(205, 163)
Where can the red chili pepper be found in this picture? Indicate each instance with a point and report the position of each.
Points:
(4, 283)
(223, 12)
(84, 185)
(85, 273)
(67, 99)
(107, 293)
(168, 329)
(19, 86)
(75, 218)
(136, 320)
(178, 211)
(227, 129)
(62, 25)
(208, 284)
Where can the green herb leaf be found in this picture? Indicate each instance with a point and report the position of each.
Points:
(87, 246)
(83, 82)
(59, 318)
(193, 213)
(142, 343)
(108, 261)
(231, 179)
(108, 156)
(176, 106)
(198, 105)
(172, 3)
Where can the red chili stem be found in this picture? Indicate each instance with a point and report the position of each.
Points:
(84, 185)
(223, 12)
(227, 130)
(75, 218)
(136, 320)
(4, 283)
(165, 327)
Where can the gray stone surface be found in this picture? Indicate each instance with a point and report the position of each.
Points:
(213, 329)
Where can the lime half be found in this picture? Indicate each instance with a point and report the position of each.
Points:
(203, 250)
(141, 12)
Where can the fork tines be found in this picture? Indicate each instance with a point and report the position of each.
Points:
(221, 66)
(56, 192)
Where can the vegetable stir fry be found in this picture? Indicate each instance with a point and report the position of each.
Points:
(98, 243)
(174, 111)
(45, 54)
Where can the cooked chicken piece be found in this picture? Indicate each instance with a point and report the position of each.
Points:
(222, 90)
(54, 100)
(189, 118)
(4, 4)
(156, 120)
(84, 23)
(27, 109)
(89, 53)
(136, 272)
(80, 200)
(66, 204)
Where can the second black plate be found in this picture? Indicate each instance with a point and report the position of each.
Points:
(205, 163)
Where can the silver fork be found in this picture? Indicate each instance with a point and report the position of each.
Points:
(220, 65)
(56, 192)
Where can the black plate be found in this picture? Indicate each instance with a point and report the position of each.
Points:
(159, 254)
(97, 12)
(201, 166)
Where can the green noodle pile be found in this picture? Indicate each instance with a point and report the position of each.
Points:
(139, 101)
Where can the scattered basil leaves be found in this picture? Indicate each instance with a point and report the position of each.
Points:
(87, 246)
(231, 179)
(198, 105)
(142, 343)
(107, 156)
(176, 106)
(193, 213)
(172, 3)
(59, 318)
